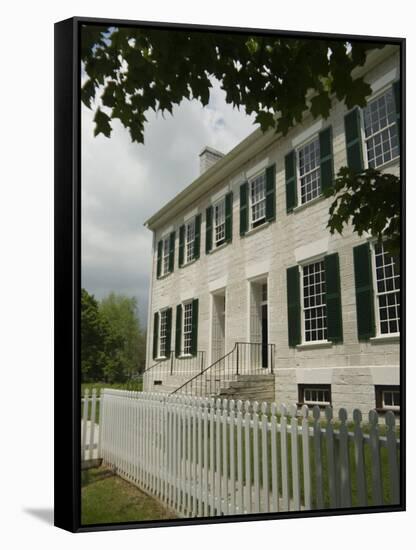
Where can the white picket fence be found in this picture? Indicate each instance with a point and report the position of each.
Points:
(204, 457)
(90, 433)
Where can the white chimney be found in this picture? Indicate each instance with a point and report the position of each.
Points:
(207, 158)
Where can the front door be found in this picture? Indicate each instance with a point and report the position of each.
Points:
(218, 327)
(264, 338)
(264, 328)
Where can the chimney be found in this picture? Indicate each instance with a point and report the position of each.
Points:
(207, 158)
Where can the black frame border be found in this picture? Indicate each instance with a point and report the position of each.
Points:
(67, 249)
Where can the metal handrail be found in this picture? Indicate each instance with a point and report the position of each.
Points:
(205, 370)
(230, 370)
(158, 363)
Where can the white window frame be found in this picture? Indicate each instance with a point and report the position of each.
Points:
(160, 355)
(189, 243)
(165, 256)
(302, 265)
(377, 295)
(383, 404)
(364, 139)
(316, 388)
(251, 180)
(299, 178)
(220, 226)
(184, 307)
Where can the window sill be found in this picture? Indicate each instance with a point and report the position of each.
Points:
(388, 164)
(385, 339)
(314, 345)
(384, 410)
(161, 358)
(189, 263)
(257, 228)
(164, 276)
(310, 406)
(185, 356)
(301, 207)
(218, 248)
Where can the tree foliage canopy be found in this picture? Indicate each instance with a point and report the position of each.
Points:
(131, 70)
(112, 342)
(139, 69)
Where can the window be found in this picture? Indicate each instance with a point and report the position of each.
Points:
(165, 256)
(258, 200)
(380, 130)
(314, 302)
(190, 241)
(387, 274)
(388, 397)
(187, 328)
(315, 394)
(219, 222)
(163, 333)
(309, 171)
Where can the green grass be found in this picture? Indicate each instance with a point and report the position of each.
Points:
(106, 498)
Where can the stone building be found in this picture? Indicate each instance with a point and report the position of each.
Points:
(246, 277)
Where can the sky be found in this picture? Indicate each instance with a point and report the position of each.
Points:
(124, 183)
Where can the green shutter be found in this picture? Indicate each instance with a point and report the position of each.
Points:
(194, 342)
(178, 335)
(290, 175)
(326, 159)
(229, 217)
(168, 331)
(181, 244)
(155, 334)
(293, 305)
(171, 251)
(208, 230)
(396, 93)
(271, 193)
(364, 292)
(243, 208)
(159, 258)
(333, 298)
(353, 140)
(197, 244)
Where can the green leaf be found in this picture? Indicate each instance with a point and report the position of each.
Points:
(102, 123)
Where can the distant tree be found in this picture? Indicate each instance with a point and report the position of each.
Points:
(131, 70)
(127, 355)
(94, 339)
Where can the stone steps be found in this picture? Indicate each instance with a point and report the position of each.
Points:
(252, 388)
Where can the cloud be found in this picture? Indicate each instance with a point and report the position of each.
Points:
(124, 183)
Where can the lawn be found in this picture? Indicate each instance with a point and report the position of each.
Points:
(106, 498)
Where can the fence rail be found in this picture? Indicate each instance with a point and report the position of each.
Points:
(205, 457)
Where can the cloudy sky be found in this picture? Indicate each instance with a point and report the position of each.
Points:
(124, 183)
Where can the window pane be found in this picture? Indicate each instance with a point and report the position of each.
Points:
(190, 240)
(388, 290)
(380, 130)
(187, 328)
(165, 263)
(309, 171)
(219, 222)
(314, 302)
(258, 198)
(162, 330)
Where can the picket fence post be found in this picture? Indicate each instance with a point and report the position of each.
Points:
(207, 456)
